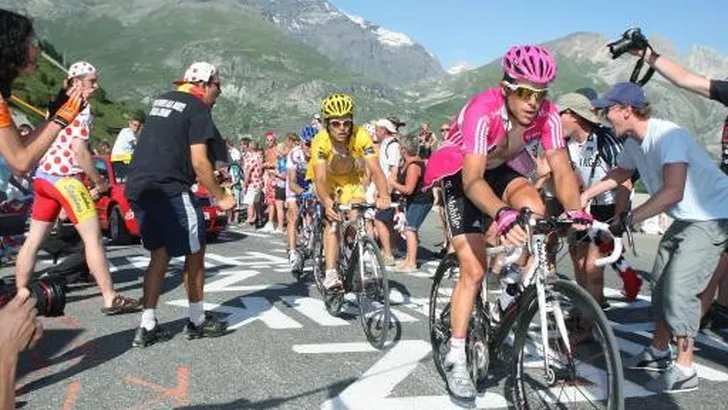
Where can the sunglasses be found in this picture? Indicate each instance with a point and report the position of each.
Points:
(526, 92)
(341, 123)
(444, 129)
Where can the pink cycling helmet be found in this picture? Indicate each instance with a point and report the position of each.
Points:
(530, 63)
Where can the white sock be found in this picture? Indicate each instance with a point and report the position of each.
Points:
(659, 353)
(457, 350)
(197, 313)
(687, 371)
(149, 320)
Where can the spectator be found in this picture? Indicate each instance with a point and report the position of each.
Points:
(233, 152)
(19, 53)
(427, 141)
(57, 185)
(281, 176)
(593, 152)
(716, 312)
(159, 188)
(127, 138)
(253, 182)
(438, 204)
(389, 158)
(418, 203)
(270, 179)
(685, 183)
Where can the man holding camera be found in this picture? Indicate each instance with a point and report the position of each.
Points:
(715, 90)
(683, 182)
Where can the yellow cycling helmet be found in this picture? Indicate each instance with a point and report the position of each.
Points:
(337, 105)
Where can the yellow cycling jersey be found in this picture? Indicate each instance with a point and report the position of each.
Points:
(341, 167)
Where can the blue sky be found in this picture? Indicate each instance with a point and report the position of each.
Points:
(477, 31)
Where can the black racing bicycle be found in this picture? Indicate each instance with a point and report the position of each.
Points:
(361, 266)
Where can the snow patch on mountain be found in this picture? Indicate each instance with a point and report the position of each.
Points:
(460, 67)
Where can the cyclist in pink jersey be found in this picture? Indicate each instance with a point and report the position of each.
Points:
(484, 168)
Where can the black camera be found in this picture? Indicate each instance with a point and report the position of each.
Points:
(49, 295)
(632, 39)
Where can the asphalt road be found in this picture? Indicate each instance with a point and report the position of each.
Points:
(286, 352)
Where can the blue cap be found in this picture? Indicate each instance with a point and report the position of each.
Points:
(622, 93)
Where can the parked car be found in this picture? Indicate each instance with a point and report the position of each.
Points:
(115, 214)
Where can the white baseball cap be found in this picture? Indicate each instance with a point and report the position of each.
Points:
(80, 68)
(199, 71)
(386, 124)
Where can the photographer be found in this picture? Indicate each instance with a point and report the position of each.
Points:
(20, 330)
(715, 90)
(19, 53)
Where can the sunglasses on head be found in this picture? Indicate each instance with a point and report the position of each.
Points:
(526, 92)
(341, 123)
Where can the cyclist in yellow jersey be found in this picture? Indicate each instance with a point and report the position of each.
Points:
(335, 171)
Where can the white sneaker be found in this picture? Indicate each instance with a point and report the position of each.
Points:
(268, 228)
(332, 280)
(294, 259)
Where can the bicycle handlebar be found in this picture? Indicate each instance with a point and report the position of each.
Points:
(597, 227)
(552, 223)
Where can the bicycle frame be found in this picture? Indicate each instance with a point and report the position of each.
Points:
(534, 280)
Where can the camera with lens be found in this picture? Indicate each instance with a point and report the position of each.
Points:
(49, 295)
(632, 39)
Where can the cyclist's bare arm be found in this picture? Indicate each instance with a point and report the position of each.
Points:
(380, 181)
(674, 176)
(203, 170)
(613, 179)
(475, 187)
(292, 182)
(679, 75)
(566, 182)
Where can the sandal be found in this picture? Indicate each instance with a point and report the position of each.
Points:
(122, 304)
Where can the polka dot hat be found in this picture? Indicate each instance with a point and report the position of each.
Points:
(80, 68)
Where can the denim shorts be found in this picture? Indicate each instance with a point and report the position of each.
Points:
(416, 214)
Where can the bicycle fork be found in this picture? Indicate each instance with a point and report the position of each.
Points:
(539, 245)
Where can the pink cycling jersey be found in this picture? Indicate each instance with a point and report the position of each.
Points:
(482, 125)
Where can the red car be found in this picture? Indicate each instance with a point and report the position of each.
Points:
(117, 218)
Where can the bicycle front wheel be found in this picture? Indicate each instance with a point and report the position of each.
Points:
(585, 368)
(372, 293)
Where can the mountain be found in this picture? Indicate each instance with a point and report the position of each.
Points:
(359, 45)
(269, 80)
(278, 58)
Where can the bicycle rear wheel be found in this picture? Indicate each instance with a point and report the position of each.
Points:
(372, 293)
(585, 366)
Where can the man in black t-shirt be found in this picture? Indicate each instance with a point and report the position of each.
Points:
(178, 146)
(715, 90)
